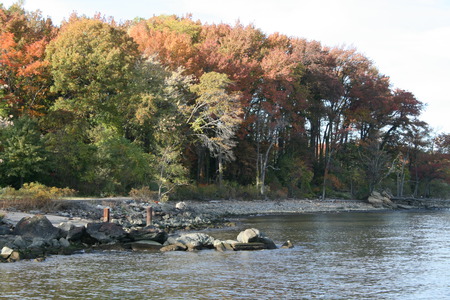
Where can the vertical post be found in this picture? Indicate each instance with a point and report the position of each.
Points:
(106, 214)
(149, 210)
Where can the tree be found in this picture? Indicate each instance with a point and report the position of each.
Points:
(92, 64)
(24, 76)
(22, 152)
(215, 117)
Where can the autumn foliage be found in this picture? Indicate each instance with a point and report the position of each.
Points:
(170, 103)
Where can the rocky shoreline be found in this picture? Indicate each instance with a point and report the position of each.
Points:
(78, 225)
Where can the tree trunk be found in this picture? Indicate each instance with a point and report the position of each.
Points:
(220, 167)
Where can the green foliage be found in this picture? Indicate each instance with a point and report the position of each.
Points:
(120, 164)
(295, 175)
(183, 25)
(228, 190)
(22, 152)
(33, 196)
(219, 101)
(91, 64)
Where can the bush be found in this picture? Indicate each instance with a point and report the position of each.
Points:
(33, 196)
(143, 194)
(205, 192)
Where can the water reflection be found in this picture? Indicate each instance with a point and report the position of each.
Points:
(393, 255)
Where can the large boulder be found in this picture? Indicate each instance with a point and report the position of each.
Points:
(381, 200)
(194, 241)
(149, 233)
(79, 234)
(37, 227)
(107, 232)
(253, 235)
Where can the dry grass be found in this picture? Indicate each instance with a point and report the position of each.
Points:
(32, 196)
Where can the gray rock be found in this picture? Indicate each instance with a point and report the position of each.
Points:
(149, 233)
(37, 226)
(146, 246)
(77, 234)
(37, 243)
(106, 232)
(287, 245)
(20, 242)
(253, 235)
(54, 243)
(4, 229)
(64, 243)
(249, 246)
(249, 236)
(66, 227)
(196, 240)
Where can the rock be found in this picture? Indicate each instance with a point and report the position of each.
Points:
(287, 245)
(20, 242)
(253, 235)
(37, 226)
(64, 243)
(222, 246)
(268, 242)
(181, 205)
(174, 247)
(6, 252)
(66, 227)
(54, 243)
(106, 232)
(146, 246)
(196, 240)
(15, 256)
(379, 200)
(4, 229)
(377, 203)
(249, 236)
(79, 235)
(37, 243)
(149, 233)
(249, 246)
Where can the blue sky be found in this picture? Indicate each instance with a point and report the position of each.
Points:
(409, 40)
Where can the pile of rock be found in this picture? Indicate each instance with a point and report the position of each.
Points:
(249, 239)
(35, 237)
(382, 199)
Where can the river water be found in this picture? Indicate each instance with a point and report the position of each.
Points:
(382, 255)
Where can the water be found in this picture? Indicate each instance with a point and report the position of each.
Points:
(391, 255)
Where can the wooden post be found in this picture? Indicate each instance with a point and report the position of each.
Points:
(149, 210)
(106, 214)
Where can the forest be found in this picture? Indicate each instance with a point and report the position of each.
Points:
(184, 110)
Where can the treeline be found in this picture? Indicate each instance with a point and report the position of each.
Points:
(182, 108)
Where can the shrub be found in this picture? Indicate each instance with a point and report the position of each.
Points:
(33, 196)
(143, 194)
(205, 192)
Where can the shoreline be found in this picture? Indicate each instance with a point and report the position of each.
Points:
(79, 224)
(82, 211)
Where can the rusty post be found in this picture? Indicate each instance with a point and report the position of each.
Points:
(149, 210)
(106, 214)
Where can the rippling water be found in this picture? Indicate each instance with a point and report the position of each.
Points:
(391, 255)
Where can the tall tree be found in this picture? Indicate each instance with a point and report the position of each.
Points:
(24, 76)
(215, 117)
(92, 65)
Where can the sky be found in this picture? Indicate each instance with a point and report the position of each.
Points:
(408, 40)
